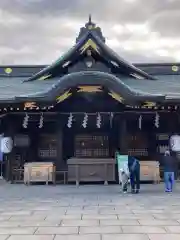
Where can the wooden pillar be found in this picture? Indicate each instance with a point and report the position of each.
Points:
(59, 131)
(32, 150)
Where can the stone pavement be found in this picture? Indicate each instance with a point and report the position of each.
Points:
(88, 213)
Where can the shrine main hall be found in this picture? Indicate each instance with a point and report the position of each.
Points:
(73, 114)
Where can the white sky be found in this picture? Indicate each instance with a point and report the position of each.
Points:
(39, 31)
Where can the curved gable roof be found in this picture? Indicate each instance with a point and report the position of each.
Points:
(89, 38)
(109, 81)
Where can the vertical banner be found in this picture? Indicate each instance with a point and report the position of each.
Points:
(122, 162)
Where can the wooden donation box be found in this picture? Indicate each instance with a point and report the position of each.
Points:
(149, 171)
(91, 170)
(39, 172)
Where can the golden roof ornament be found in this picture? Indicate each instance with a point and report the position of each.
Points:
(44, 77)
(30, 105)
(89, 89)
(149, 104)
(8, 70)
(116, 96)
(89, 43)
(64, 96)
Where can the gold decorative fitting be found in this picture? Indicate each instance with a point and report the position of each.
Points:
(89, 43)
(8, 70)
(89, 89)
(149, 104)
(30, 105)
(175, 68)
(64, 96)
(116, 96)
(44, 77)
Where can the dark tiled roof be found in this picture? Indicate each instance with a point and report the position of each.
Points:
(14, 87)
(166, 85)
(10, 88)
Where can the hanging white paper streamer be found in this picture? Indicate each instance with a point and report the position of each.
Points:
(140, 122)
(98, 121)
(85, 120)
(157, 118)
(6, 144)
(25, 121)
(70, 119)
(41, 121)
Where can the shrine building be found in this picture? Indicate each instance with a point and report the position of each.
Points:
(77, 111)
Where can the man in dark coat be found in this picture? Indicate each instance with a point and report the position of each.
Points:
(134, 169)
(169, 165)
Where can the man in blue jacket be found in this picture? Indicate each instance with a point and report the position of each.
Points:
(134, 169)
(169, 164)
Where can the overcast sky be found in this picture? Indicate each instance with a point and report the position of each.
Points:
(39, 31)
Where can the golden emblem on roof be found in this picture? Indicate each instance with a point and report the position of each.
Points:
(149, 104)
(89, 89)
(8, 70)
(89, 43)
(64, 96)
(30, 105)
(116, 96)
(175, 68)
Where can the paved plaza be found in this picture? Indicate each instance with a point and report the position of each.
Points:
(88, 213)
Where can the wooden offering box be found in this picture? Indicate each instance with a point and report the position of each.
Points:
(39, 172)
(149, 171)
(91, 170)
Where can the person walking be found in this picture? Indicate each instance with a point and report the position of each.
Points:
(169, 165)
(134, 169)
